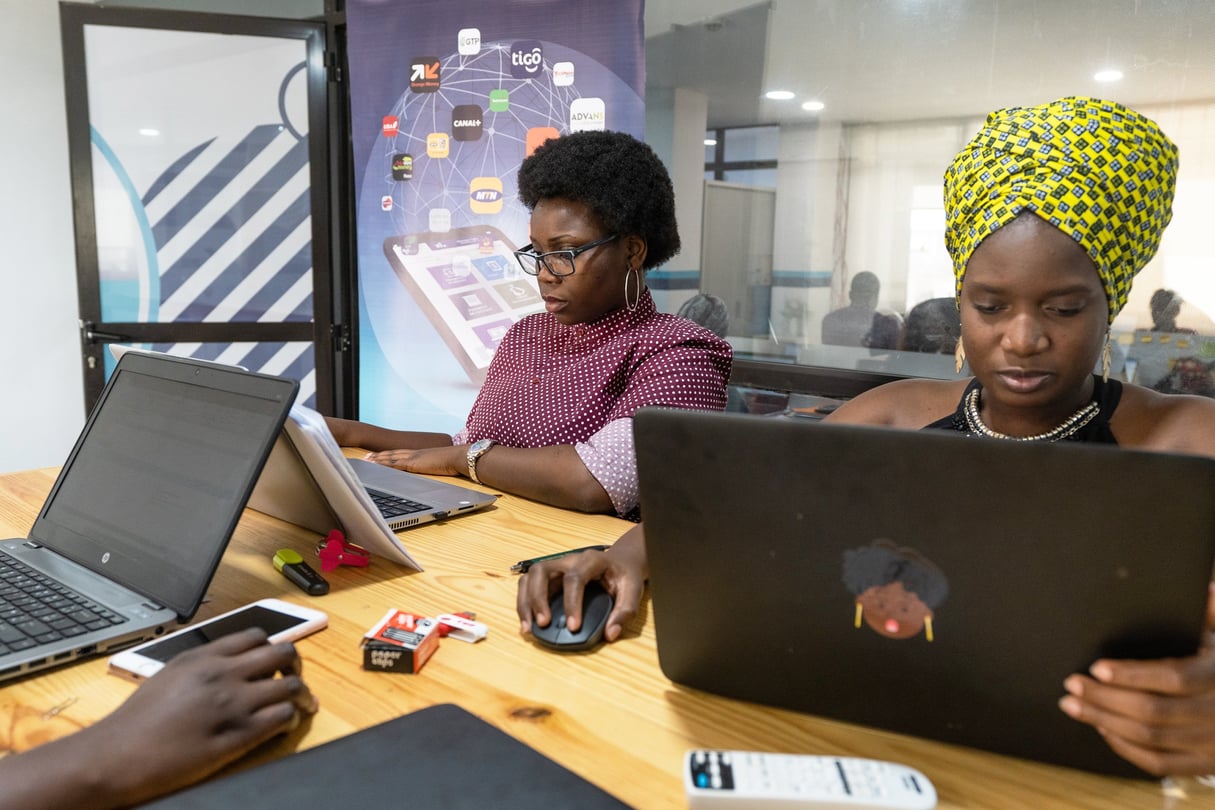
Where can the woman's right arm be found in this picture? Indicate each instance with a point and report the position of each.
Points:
(622, 569)
(350, 433)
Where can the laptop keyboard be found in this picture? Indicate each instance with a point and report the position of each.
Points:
(394, 506)
(35, 609)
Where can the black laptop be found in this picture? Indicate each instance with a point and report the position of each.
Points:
(438, 757)
(918, 581)
(133, 529)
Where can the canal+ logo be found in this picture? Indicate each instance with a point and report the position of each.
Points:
(466, 122)
(526, 59)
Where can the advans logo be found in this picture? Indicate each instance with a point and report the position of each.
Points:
(526, 59)
(587, 114)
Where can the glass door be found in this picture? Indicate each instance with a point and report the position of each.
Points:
(199, 178)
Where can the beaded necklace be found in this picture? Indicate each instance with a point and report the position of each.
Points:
(1070, 426)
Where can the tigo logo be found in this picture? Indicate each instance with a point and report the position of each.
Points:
(536, 136)
(424, 74)
(563, 74)
(468, 41)
(485, 195)
(466, 122)
(587, 114)
(438, 145)
(386, 203)
(499, 100)
(526, 59)
(390, 126)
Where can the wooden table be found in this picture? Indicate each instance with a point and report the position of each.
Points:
(608, 715)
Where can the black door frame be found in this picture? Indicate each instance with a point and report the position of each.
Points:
(331, 331)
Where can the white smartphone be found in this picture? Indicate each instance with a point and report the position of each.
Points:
(281, 620)
(470, 286)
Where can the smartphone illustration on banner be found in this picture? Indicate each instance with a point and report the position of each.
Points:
(470, 286)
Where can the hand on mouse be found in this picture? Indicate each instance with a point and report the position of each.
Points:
(622, 569)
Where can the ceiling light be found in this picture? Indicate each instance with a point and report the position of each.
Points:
(710, 142)
(779, 95)
(149, 133)
(1110, 75)
(813, 106)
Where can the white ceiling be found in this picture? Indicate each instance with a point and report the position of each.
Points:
(889, 60)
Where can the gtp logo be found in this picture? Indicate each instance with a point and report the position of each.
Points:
(526, 59)
(468, 41)
(485, 195)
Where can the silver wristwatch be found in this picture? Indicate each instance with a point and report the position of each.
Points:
(475, 451)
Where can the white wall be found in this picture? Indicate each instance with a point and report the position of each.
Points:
(42, 405)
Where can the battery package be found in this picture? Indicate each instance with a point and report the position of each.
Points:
(400, 642)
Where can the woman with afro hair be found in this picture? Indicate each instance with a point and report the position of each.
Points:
(553, 420)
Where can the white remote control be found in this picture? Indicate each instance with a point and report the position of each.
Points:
(725, 780)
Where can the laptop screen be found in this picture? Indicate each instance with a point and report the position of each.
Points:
(158, 479)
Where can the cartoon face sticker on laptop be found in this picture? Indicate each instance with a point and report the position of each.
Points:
(896, 588)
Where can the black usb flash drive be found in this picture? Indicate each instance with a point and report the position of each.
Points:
(293, 567)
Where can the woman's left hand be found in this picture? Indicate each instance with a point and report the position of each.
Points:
(1160, 715)
(428, 461)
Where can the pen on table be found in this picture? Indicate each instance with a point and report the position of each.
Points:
(522, 566)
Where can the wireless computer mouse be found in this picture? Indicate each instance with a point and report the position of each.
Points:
(596, 607)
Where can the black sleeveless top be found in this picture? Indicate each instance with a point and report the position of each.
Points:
(1105, 393)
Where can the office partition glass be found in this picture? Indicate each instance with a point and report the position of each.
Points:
(872, 102)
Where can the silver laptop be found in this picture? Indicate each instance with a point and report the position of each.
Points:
(918, 581)
(135, 525)
(309, 482)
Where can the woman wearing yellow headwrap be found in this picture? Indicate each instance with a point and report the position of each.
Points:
(1050, 212)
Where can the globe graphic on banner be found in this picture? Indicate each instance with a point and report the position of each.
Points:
(439, 171)
(441, 176)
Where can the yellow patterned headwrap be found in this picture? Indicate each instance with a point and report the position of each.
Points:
(1099, 172)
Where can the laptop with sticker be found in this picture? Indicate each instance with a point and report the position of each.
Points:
(918, 581)
(130, 536)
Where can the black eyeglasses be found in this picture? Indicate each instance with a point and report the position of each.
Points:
(557, 262)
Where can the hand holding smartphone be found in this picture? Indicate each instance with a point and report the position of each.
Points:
(281, 620)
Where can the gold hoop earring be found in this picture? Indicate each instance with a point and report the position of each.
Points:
(630, 273)
(959, 358)
(1105, 358)
(928, 627)
(860, 611)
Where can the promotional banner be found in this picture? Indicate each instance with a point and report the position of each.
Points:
(447, 99)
